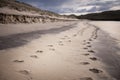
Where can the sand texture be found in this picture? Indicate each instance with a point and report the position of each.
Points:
(62, 51)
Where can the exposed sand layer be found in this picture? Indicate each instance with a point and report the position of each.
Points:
(64, 55)
(8, 16)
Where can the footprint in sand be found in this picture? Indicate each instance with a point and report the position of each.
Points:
(60, 42)
(84, 40)
(89, 46)
(86, 78)
(87, 54)
(34, 56)
(25, 72)
(94, 70)
(95, 37)
(90, 39)
(93, 58)
(91, 51)
(39, 51)
(85, 48)
(84, 63)
(50, 45)
(18, 61)
(88, 42)
(69, 40)
(75, 35)
(52, 49)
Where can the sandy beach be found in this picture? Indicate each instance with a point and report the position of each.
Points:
(59, 51)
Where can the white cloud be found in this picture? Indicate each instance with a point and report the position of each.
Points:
(73, 13)
(78, 6)
(115, 8)
(88, 6)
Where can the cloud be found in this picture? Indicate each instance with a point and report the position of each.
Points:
(75, 6)
(45, 3)
(115, 8)
(88, 6)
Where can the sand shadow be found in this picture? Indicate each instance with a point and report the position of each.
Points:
(16, 40)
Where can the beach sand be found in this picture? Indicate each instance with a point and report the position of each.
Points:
(108, 45)
(63, 55)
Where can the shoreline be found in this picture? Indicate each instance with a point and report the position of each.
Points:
(107, 49)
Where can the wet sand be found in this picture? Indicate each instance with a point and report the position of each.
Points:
(66, 54)
(107, 48)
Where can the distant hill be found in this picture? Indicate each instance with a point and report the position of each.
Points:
(12, 11)
(107, 15)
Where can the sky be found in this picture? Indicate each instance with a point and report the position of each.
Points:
(75, 6)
